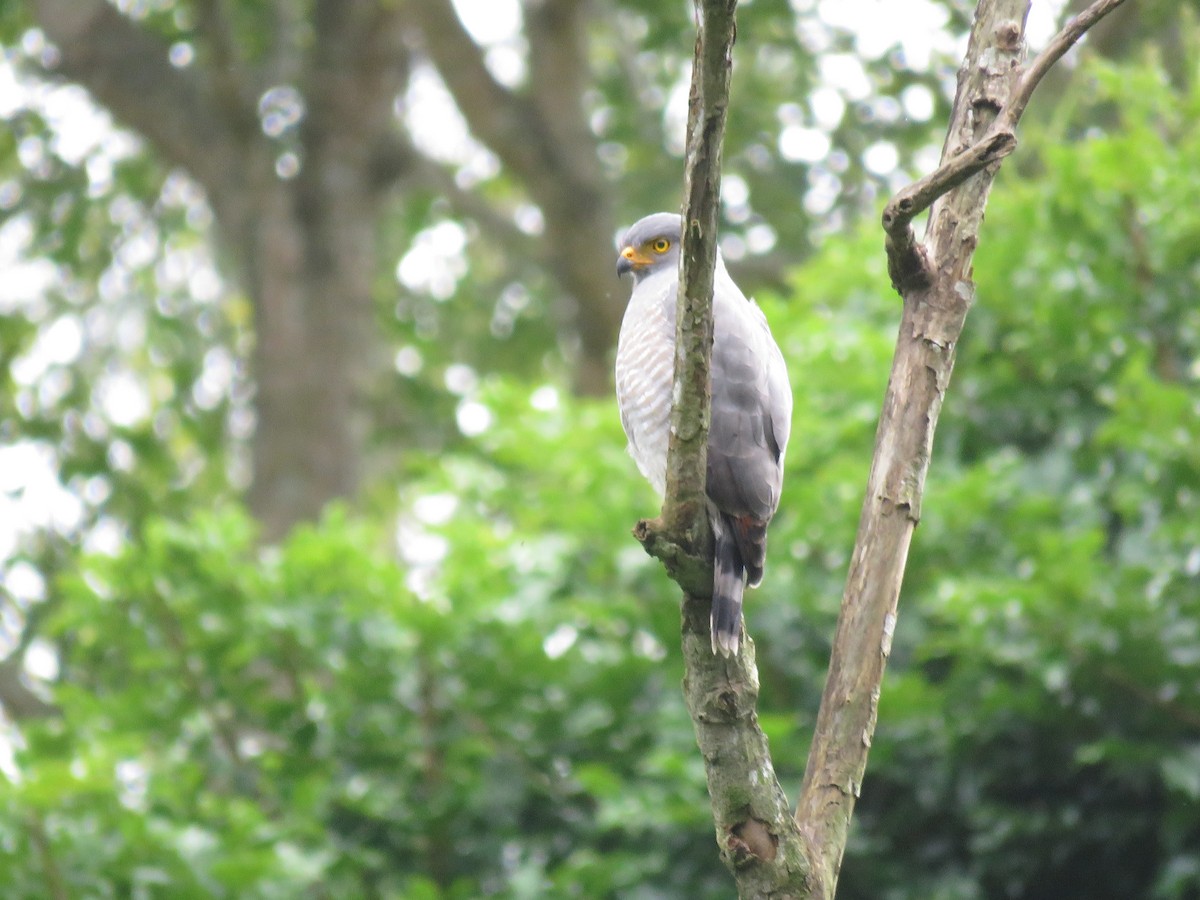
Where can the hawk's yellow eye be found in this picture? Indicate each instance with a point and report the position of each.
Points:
(662, 245)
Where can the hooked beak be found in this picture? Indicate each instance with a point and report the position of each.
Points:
(629, 260)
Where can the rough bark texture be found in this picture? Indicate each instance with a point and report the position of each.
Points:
(755, 830)
(934, 278)
(772, 854)
(935, 310)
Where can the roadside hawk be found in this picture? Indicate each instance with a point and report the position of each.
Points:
(751, 409)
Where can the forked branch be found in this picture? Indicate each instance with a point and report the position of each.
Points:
(934, 278)
(908, 265)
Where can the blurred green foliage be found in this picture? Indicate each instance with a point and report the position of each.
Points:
(497, 714)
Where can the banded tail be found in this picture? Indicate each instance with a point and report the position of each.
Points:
(740, 548)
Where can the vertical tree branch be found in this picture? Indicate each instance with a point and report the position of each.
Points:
(933, 317)
(708, 102)
(755, 830)
(934, 278)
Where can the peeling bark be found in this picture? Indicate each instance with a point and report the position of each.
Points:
(934, 278)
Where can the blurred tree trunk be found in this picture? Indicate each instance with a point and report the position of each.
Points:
(307, 254)
(302, 242)
(298, 217)
(543, 138)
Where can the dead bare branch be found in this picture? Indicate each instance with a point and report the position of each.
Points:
(934, 278)
(908, 267)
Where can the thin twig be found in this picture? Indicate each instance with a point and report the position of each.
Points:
(921, 194)
(1067, 37)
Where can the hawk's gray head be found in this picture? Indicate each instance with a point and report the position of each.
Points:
(650, 245)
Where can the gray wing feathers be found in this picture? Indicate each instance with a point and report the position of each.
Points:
(751, 413)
